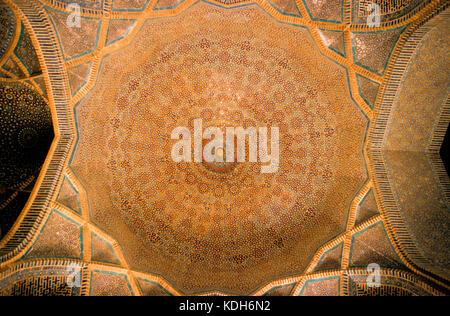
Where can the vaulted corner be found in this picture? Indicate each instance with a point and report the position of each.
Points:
(25, 119)
(406, 148)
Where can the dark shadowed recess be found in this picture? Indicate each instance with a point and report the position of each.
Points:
(26, 130)
(445, 154)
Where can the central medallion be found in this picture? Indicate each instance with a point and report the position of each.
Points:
(220, 165)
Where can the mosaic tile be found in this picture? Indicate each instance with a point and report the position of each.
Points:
(373, 50)
(7, 27)
(284, 290)
(368, 90)
(167, 4)
(392, 283)
(331, 260)
(79, 76)
(43, 278)
(40, 81)
(89, 4)
(118, 29)
(75, 41)
(11, 66)
(129, 5)
(321, 287)
(367, 209)
(59, 238)
(102, 251)
(150, 288)
(390, 10)
(27, 54)
(372, 245)
(109, 284)
(334, 40)
(325, 10)
(68, 196)
(288, 7)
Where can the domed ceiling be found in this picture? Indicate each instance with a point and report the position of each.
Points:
(359, 180)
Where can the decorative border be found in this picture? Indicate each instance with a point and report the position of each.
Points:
(391, 273)
(403, 19)
(324, 20)
(61, 5)
(9, 34)
(45, 263)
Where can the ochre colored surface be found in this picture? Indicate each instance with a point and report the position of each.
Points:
(233, 230)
